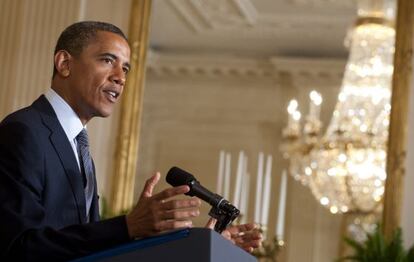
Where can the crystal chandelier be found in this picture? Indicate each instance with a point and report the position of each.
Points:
(345, 167)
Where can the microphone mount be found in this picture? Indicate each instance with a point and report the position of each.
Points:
(225, 213)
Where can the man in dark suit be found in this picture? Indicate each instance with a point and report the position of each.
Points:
(48, 196)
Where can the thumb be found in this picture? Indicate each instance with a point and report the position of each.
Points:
(211, 223)
(150, 184)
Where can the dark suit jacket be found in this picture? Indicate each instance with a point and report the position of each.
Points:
(42, 201)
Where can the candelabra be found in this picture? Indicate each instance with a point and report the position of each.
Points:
(270, 248)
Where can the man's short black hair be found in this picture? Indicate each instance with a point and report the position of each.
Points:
(78, 35)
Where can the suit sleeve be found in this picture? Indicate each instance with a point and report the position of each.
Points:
(24, 236)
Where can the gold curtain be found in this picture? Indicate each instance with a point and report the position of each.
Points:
(126, 151)
(398, 123)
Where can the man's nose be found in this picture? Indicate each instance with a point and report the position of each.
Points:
(118, 77)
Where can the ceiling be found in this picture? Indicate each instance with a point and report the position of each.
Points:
(253, 28)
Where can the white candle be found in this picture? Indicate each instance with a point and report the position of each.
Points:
(246, 186)
(220, 176)
(244, 191)
(242, 196)
(258, 200)
(266, 191)
(227, 171)
(238, 184)
(245, 204)
(280, 224)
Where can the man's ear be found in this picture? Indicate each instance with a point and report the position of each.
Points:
(62, 66)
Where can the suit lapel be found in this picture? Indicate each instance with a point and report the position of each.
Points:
(64, 150)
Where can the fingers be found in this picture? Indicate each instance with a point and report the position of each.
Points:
(166, 225)
(170, 192)
(246, 236)
(179, 209)
(250, 237)
(227, 235)
(173, 214)
(249, 241)
(246, 240)
(248, 248)
(150, 184)
(247, 227)
(211, 223)
(242, 228)
(181, 204)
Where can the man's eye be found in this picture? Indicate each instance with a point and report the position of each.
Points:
(108, 60)
(126, 70)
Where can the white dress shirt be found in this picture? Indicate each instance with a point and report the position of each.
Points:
(68, 119)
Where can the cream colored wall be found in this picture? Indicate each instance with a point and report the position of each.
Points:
(29, 30)
(193, 108)
(28, 33)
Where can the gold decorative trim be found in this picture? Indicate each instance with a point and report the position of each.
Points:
(398, 123)
(126, 151)
(374, 20)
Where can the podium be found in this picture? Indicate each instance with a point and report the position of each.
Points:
(197, 244)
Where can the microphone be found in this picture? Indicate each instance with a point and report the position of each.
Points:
(222, 210)
(179, 177)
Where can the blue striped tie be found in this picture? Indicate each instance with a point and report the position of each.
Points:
(86, 167)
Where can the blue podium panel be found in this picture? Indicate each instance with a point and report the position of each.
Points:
(198, 244)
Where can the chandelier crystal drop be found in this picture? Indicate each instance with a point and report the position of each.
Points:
(345, 167)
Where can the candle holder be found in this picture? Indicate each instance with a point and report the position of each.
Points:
(270, 248)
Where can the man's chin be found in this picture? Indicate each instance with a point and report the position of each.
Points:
(104, 113)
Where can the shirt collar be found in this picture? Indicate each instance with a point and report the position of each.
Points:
(68, 119)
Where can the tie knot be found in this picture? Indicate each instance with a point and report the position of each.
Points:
(82, 138)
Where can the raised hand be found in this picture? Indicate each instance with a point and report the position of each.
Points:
(154, 214)
(246, 236)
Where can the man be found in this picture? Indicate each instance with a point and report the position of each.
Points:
(48, 195)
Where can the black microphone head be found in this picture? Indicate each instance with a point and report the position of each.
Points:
(179, 177)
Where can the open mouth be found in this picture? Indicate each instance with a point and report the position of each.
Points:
(112, 95)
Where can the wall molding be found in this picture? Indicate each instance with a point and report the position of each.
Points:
(161, 64)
